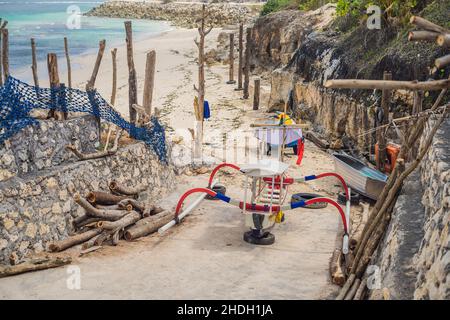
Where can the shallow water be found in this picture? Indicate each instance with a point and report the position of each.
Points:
(50, 21)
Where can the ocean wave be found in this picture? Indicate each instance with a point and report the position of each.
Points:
(52, 2)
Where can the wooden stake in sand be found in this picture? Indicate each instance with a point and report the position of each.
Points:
(52, 65)
(1, 60)
(69, 67)
(241, 48)
(231, 59)
(247, 63)
(201, 83)
(113, 93)
(101, 49)
(132, 78)
(256, 92)
(34, 63)
(5, 53)
(149, 82)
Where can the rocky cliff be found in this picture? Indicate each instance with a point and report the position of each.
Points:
(301, 50)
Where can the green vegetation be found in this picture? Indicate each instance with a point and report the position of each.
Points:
(357, 8)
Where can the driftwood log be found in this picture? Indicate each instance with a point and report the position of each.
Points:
(98, 154)
(148, 225)
(73, 240)
(34, 265)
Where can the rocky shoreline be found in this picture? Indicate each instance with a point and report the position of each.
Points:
(180, 14)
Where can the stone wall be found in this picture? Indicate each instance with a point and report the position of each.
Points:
(42, 146)
(36, 204)
(414, 257)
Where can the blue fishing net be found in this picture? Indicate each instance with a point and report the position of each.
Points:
(18, 99)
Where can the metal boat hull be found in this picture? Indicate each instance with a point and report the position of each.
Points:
(358, 176)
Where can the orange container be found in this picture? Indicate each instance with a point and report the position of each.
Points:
(392, 152)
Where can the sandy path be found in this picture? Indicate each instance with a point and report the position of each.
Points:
(205, 257)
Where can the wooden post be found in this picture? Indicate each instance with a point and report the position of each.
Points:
(114, 75)
(52, 65)
(132, 79)
(91, 83)
(257, 87)
(247, 63)
(5, 53)
(231, 58)
(241, 54)
(113, 93)
(34, 63)
(247, 150)
(149, 82)
(224, 147)
(201, 82)
(1, 60)
(381, 138)
(69, 67)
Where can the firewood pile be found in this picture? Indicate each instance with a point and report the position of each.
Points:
(112, 216)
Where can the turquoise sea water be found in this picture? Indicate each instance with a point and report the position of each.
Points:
(46, 21)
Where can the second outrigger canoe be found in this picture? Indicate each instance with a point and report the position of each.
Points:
(361, 178)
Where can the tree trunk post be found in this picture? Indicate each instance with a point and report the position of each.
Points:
(132, 79)
(52, 65)
(381, 138)
(5, 53)
(149, 82)
(114, 76)
(247, 63)
(241, 55)
(256, 93)
(231, 59)
(69, 67)
(201, 84)
(34, 63)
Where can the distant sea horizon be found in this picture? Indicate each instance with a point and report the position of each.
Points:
(46, 22)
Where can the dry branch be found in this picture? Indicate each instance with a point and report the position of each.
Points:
(422, 36)
(387, 85)
(98, 213)
(129, 219)
(74, 240)
(37, 264)
(98, 154)
(148, 225)
(117, 188)
(427, 25)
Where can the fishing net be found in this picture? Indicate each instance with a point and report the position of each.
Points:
(18, 99)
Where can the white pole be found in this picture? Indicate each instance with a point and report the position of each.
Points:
(186, 211)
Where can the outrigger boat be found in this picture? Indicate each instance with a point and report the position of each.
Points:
(364, 180)
(263, 204)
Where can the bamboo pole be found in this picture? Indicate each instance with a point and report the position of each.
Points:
(149, 82)
(256, 93)
(387, 85)
(247, 63)
(5, 53)
(427, 25)
(442, 62)
(69, 67)
(34, 63)
(241, 54)
(381, 138)
(443, 40)
(132, 78)
(231, 59)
